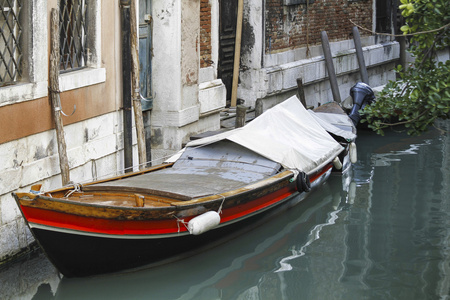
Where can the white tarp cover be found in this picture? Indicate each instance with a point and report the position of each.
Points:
(330, 122)
(287, 134)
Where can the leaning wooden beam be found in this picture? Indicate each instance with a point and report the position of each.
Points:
(330, 67)
(360, 56)
(237, 53)
(54, 94)
(301, 92)
(138, 118)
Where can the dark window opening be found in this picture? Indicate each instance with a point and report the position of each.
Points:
(387, 20)
(10, 45)
(73, 30)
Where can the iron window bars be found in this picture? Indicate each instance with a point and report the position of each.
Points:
(10, 46)
(73, 30)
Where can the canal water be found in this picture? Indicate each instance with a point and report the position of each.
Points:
(380, 232)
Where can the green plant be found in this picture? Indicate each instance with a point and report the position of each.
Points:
(422, 93)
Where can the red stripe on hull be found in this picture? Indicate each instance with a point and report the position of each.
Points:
(316, 176)
(145, 227)
(246, 209)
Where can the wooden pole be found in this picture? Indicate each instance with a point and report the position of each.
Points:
(237, 53)
(54, 94)
(241, 112)
(360, 56)
(258, 107)
(126, 85)
(137, 106)
(330, 67)
(300, 91)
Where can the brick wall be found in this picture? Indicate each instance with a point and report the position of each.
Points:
(287, 25)
(205, 34)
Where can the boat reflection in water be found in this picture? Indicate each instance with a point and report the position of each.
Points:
(252, 264)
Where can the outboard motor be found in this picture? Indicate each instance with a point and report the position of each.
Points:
(362, 95)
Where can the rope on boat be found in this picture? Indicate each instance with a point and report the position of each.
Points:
(76, 188)
(182, 222)
(221, 204)
(296, 172)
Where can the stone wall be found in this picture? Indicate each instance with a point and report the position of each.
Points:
(94, 150)
(281, 42)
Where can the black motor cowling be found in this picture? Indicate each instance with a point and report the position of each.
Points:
(362, 95)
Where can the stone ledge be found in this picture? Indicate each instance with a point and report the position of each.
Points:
(284, 77)
(176, 118)
(81, 78)
(23, 92)
(212, 96)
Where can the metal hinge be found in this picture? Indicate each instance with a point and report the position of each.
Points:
(148, 18)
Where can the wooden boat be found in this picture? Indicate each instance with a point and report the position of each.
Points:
(216, 187)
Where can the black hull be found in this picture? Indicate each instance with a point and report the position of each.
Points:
(80, 255)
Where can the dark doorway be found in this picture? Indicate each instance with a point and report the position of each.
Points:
(386, 13)
(145, 52)
(145, 69)
(227, 36)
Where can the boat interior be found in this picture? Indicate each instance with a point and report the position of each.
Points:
(199, 172)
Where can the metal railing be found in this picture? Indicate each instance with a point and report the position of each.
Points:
(73, 29)
(10, 45)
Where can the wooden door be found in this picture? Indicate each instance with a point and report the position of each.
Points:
(227, 36)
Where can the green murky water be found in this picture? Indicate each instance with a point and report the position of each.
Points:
(382, 232)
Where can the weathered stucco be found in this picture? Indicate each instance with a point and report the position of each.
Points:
(180, 104)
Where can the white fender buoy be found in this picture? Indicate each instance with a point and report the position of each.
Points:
(337, 163)
(353, 153)
(203, 223)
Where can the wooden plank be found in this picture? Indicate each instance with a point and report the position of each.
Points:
(237, 53)
(56, 101)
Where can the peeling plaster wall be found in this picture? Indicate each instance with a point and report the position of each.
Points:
(181, 107)
(28, 149)
(94, 149)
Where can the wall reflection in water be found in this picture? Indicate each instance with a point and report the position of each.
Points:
(32, 277)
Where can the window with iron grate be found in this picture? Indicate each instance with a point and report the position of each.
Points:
(10, 41)
(73, 29)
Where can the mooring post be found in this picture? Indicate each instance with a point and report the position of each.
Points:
(301, 92)
(237, 53)
(241, 112)
(136, 95)
(360, 56)
(330, 67)
(54, 95)
(258, 107)
(126, 85)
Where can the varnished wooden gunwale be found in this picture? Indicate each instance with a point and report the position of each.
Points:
(167, 208)
(64, 189)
